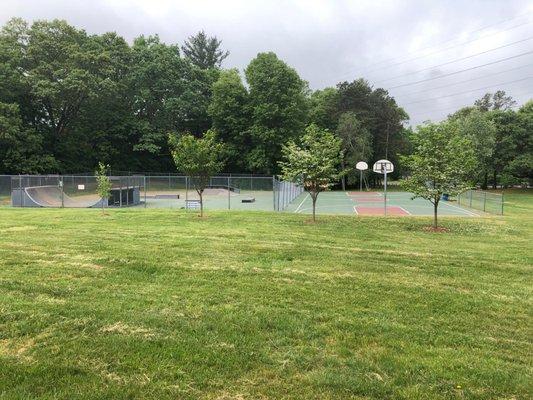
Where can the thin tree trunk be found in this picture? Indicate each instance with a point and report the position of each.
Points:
(495, 180)
(435, 207)
(485, 181)
(201, 205)
(313, 197)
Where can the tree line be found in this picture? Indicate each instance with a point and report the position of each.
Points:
(69, 100)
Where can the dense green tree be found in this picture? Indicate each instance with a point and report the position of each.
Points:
(521, 167)
(442, 162)
(323, 108)
(63, 67)
(479, 128)
(279, 110)
(230, 113)
(104, 128)
(21, 149)
(356, 143)
(53, 71)
(313, 163)
(495, 101)
(379, 114)
(204, 51)
(508, 134)
(168, 94)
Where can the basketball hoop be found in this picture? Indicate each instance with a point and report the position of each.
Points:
(384, 167)
(361, 166)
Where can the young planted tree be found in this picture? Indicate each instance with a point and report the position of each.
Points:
(442, 161)
(199, 158)
(103, 184)
(314, 163)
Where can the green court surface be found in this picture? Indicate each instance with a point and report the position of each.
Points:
(371, 203)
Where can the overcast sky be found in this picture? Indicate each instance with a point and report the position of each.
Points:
(390, 43)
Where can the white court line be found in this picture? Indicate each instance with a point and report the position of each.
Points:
(462, 209)
(299, 205)
(355, 210)
(408, 213)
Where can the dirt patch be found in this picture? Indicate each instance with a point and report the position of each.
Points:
(438, 229)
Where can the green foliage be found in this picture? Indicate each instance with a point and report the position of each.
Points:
(314, 164)
(21, 150)
(323, 108)
(204, 51)
(442, 162)
(495, 101)
(279, 113)
(356, 141)
(199, 158)
(379, 115)
(103, 183)
(230, 113)
(87, 98)
(481, 131)
(169, 93)
(510, 137)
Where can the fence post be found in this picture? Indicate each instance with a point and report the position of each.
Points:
(229, 196)
(144, 184)
(274, 192)
(22, 198)
(502, 203)
(61, 183)
(471, 193)
(186, 191)
(484, 201)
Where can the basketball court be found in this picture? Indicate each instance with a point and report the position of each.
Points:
(372, 204)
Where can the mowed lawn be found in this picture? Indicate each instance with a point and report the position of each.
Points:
(160, 304)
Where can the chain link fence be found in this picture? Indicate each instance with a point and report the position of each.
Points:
(285, 193)
(240, 192)
(488, 202)
(225, 191)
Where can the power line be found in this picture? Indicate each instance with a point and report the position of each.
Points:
(446, 48)
(461, 71)
(456, 60)
(444, 42)
(466, 80)
(469, 91)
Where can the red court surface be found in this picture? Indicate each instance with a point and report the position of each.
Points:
(369, 199)
(363, 194)
(391, 210)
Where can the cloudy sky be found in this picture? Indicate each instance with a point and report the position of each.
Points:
(432, 56)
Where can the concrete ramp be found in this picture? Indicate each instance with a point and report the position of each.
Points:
(51, 196)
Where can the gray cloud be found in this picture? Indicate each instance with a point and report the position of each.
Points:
(332, 41)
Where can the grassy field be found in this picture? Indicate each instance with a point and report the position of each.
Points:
(159, 304)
